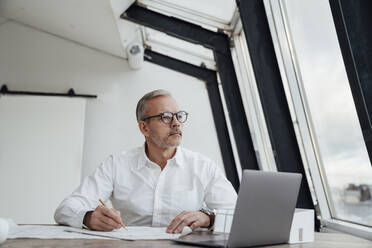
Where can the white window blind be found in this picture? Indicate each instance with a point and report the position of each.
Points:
(41, 141)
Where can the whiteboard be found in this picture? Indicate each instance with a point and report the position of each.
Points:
(41, 141)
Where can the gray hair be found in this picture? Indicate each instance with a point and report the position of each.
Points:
(141, 105)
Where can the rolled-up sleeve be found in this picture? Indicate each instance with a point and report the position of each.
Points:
(99, 185)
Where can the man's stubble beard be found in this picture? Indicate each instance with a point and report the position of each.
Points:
(162, 143)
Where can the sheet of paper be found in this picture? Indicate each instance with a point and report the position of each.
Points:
(59, 232)
(137, 232)
(47, 232)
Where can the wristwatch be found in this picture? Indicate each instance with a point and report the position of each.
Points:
(210, 214)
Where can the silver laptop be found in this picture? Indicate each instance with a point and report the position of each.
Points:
(263, 213)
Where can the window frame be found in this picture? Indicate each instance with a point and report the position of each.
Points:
(252, 103)
(272, 94)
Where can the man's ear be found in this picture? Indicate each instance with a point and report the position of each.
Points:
(143, 127)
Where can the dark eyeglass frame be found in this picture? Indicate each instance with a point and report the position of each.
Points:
(167, 114)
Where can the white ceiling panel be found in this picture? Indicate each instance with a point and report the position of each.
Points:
(93, 23)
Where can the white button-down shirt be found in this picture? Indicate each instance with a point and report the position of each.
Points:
(146, 195)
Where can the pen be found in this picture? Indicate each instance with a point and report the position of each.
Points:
(104, 205)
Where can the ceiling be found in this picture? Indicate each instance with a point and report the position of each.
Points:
(97, 23)
(93, 23)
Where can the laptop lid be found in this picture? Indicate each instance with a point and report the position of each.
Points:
(263, 213)
(264, 209)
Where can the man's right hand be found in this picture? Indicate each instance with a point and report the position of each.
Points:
(102, 219)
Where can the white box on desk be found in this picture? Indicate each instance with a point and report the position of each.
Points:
(302, 229)
(223, 220)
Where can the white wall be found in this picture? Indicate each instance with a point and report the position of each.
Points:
(36, 61)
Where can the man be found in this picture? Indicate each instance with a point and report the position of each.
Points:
(158, 184)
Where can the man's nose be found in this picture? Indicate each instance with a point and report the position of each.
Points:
(175, 122)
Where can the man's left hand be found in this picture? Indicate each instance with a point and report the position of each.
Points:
(193, 219)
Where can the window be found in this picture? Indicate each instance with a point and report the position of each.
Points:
(309, 47)
(211, 14)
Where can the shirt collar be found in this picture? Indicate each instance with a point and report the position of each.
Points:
(143, 159)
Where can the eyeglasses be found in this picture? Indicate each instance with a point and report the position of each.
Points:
(167, 117)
